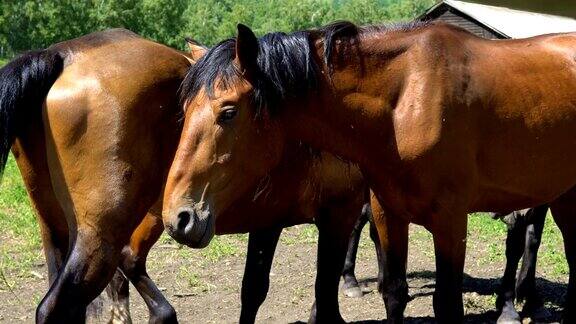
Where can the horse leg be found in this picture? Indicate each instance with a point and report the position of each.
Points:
(30, 154)
(449, 232)
(377, 247)
(29, 151)
(98, 230)
(133, 265)
(350, 286)
(334, 227)
(118, 291)
(256, 281)
(514, 250)
(526, 283)
(88, 269)
(54, 244)
(392, 284)
(563, 210)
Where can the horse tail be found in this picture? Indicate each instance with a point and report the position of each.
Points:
(24, 84)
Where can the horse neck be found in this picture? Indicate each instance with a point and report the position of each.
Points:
(355, 105)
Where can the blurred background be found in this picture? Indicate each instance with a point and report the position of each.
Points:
(28, 24)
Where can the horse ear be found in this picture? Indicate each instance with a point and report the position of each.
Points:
(197, 50)
(246, 48)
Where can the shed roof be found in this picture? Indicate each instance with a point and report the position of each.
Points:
(507, 22)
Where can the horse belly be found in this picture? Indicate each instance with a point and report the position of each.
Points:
(527, 168)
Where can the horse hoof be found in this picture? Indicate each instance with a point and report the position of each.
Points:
(351, 288)
(353, 292)
(119, 315)
(509, 319)
(335, 320)
(509, 315)
(366, 289)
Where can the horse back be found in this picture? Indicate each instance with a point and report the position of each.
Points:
(495, 119)
(522, 118)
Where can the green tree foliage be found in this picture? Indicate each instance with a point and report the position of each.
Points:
(28, 24)
(163, 21)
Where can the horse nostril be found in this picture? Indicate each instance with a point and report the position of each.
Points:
(184, 217)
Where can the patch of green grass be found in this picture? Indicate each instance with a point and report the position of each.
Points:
(166, 239)
(305, 233)
(309, 234)
(3, 61)
(20, 246)
(219, 248)
(551, 257)
(225, 246)
(490, 236)
(193, 281)
(191, 278)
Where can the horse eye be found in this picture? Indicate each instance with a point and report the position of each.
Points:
(227, 114)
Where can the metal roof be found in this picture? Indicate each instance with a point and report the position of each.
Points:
(509, 22)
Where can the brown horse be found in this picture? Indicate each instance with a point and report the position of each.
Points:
(306, 188)
(94, 151)
(439, 121)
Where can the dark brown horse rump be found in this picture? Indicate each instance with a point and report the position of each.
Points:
(93, 151)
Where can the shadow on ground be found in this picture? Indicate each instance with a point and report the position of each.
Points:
(552, 294)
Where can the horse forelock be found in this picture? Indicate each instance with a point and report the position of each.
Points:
(215, 66)
(285, 68)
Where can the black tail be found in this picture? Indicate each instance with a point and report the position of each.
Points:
(24, 84)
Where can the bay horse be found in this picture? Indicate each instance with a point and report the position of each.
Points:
(439, 121)
(307, 188)
(94, 151)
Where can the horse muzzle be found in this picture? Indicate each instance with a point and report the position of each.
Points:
(190, 226)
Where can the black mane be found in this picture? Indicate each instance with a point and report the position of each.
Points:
(286, 64)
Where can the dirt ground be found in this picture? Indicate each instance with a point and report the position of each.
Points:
(206, 288)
